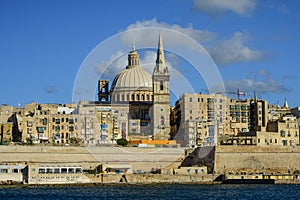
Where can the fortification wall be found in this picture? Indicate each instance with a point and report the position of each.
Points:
(140, 159)
(153, 178)
(254, 159)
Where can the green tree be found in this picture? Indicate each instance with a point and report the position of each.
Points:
(122, 142)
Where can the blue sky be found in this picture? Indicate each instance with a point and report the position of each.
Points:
(255, 44)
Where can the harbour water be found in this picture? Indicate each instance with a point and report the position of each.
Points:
(153, 192)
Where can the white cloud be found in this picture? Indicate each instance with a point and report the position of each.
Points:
(223, 51)
(261, 82)
(150, 37)
(117, 62)
(234, 50)
(109, 68)
(219, 7)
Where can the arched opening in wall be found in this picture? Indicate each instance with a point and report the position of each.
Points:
(147, 97)
(143, 97)
(132, 97)
(162, 121)
(103, 99)
(127, 97)
(103, 90)
(123, 97)
(137, 97)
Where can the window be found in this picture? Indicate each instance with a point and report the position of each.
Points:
(49, 171)
(64, 170)
(78, 170)
(15, 171)
(62, 119)
(191, 99)
(56, 170)
(284, 142)
(132, 97)
(161, 85)
(71, 170)
(40, 129)
(42, 170)
(191, 111)
(258, 140)
(3, 170)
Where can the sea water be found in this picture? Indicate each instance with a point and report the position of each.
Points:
(153, 192)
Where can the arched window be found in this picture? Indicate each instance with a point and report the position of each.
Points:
(137, 97)
(123, 97)
(143, 97)
(147, 97)
(162, 120)
(127, 97)
(132, 97)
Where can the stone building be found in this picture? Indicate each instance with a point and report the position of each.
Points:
(281, 132)
(200, 118)
(140, 102)
(239, 111)
(48, 123)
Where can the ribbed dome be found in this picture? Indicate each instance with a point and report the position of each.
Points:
(134, 78)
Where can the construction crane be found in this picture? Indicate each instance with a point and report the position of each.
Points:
(238, 92)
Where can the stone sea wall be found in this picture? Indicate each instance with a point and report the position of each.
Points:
(254, 159)
(152, 178)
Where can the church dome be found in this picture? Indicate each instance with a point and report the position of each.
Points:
(133, 77)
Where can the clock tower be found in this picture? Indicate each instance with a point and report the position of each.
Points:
(161, 96)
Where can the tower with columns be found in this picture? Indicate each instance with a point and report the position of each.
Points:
(161, 96)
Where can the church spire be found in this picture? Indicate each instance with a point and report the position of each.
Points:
(160, 52)
(285, 105)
